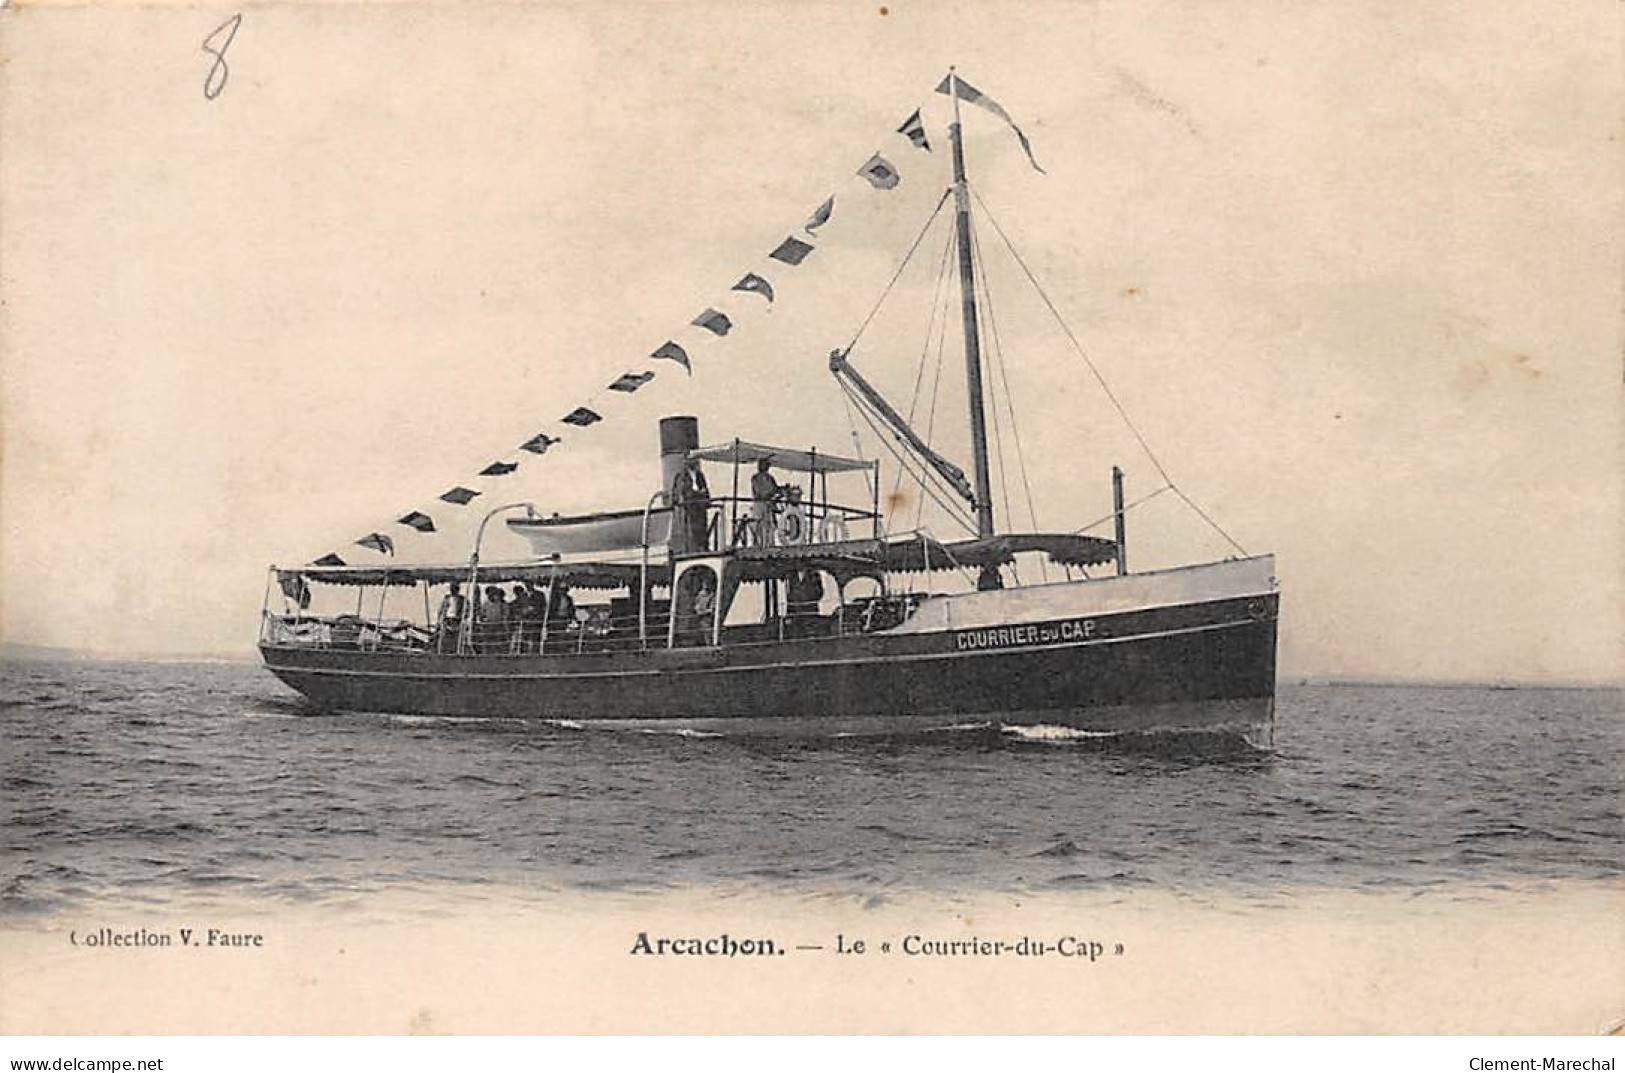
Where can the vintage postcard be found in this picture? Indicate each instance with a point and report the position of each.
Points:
(693, 517)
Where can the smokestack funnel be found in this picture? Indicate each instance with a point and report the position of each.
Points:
(678, 436)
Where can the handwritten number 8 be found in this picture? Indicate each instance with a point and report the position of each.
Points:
(215, 81)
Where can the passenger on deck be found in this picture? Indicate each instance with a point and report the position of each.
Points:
(561, 611)
(492, 629)
(764, 493)
(691, 507)
(515, 615)
(450, 621)
(805, 592)
(705, 605)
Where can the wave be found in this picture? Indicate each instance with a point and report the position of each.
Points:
(680, 732)
(1052, 732)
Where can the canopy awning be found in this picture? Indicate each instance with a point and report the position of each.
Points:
(790, 458)
(843, 559)
(576, 575)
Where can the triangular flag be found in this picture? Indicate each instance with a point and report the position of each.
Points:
(581, 417)
(378, 542)
(416, 520)
(459, 495)
(499, 469)
(330, 559)
(820, 215)
(971, 95)
(539, 443)
(881, 175)
(630, 382)
(915, 130)
(755, 285)
(792, 251)
(670, 351)
(712, 321)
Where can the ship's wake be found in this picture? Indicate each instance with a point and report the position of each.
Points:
(1226, 740)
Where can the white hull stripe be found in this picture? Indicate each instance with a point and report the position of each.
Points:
(905, 658)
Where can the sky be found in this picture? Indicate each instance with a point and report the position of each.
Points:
(1353, 270)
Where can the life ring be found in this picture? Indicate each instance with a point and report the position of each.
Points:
(832, 530)
(792, 525)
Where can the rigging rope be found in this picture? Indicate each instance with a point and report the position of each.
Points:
(846, 395)
(873, 479)
(931, 326)
(1143, 499)
(943, 200)
(931, 415)
(1105, 387)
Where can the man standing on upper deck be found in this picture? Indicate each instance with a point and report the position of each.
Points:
(764, 491)
(451, 618)
(691, 507)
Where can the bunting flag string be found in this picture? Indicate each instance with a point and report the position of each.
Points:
(878, 171)
(754, 284)
(914, 129)
(630, 382)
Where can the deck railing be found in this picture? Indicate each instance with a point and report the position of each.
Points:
(731, 522)
(593, 630)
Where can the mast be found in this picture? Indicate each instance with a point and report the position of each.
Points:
(973, 339)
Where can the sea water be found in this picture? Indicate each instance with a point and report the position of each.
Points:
(166, 784)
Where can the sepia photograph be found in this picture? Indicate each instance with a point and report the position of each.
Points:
(691, 518)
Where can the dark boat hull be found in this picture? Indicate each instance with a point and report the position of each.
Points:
(1207, 665)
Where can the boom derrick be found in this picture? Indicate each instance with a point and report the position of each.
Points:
(866, 393)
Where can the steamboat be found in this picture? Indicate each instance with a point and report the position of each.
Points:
(794, 603)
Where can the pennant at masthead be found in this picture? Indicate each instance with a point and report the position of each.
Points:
(971, 95)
